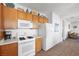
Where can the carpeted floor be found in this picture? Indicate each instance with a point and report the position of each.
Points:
(69, 47)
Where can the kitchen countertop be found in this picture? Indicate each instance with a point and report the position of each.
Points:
(4, 42)
(39, 37)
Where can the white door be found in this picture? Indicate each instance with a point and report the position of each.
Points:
(63, 29)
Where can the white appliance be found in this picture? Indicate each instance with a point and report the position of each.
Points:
(26, 47)
(46, 31)
(24, 24)
(50, 38)
(26, 42)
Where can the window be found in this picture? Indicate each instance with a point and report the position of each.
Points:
(56, 27)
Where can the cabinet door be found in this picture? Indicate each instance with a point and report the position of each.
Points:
(29, 16)
(1, 35)
(0, 17)
(38, 44)
(9, 49)
(0, 51)
(1, 23)
(35, 18)
(21, 15)
(1, 20)
(35, 21)
(40, 20)
(45, 20)
(10, 18)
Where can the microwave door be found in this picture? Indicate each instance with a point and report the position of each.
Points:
(24, 24)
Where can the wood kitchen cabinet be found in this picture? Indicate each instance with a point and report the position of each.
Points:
(38, 44)
(9, 49)
(29, 16)
(0, 18)
(45, 20)
(35, 18)
(35, 21)
(21, 15)
(10, 18)
(40, 20)
(1, 23)
(1, 35)
(24, 16)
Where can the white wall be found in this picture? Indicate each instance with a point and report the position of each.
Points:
(75, 24)
(65, 28)
(53, 37)
(57, 36)
(17, 5)
(50, 37)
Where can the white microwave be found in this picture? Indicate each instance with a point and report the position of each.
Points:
(24, 24)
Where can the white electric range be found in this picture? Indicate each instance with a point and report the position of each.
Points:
(26, 42)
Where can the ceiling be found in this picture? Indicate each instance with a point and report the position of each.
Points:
(69, 11)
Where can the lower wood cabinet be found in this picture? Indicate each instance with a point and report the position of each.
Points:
(9, 49)
(1, 35)
(38, 44)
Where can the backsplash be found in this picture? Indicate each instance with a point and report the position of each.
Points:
(27, 32)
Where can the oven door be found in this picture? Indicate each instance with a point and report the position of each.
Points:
(26, 47)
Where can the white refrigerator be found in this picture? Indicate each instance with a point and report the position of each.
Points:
(46, 31)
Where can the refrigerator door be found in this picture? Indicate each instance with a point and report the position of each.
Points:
(47, 32)
(49, 39)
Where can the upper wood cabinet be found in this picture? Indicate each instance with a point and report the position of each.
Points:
(10, 18)
(40, 20)
(45, 20)
(1, 20)
(24, 16)
(35, 18)
(0, 17)
(29, 16)
(21, 15)
(35, 21)
(9, 49)
(1, 23)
